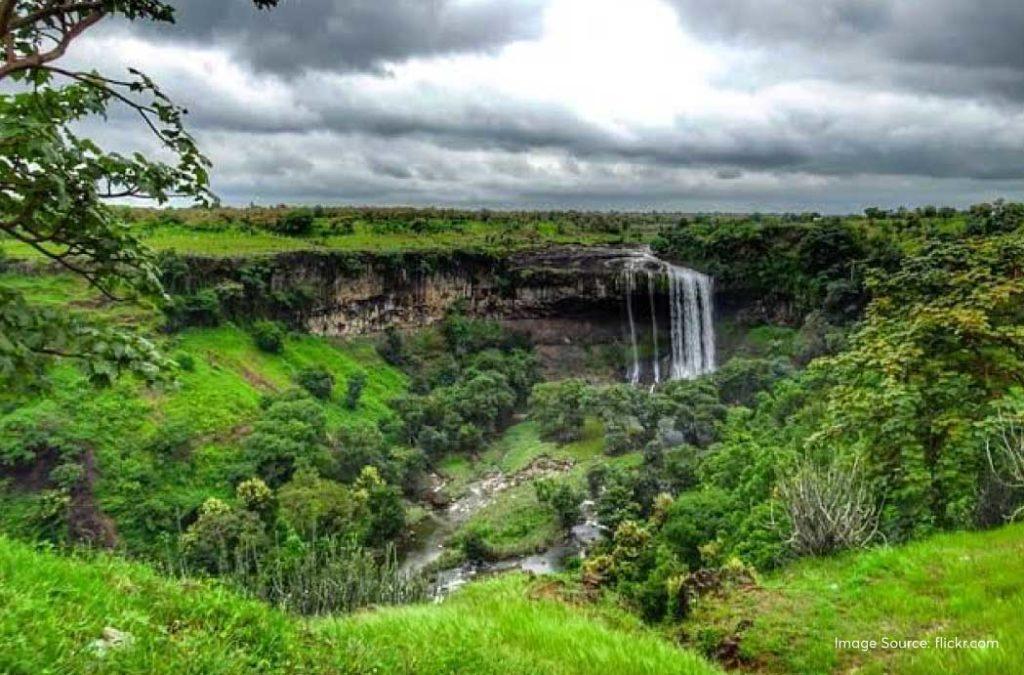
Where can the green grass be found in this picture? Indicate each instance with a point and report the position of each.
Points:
(966, 585)
(521, 445)
(230, 240)
(495, 627)
(516, 449)
(52, 608)
(229, 354)
(515, 523)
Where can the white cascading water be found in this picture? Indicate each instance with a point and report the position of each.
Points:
(691, 318)
(654, 328)
(630, 274)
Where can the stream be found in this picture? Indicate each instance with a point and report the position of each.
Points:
(445, 522)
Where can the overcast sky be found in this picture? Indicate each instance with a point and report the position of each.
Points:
(831, 105)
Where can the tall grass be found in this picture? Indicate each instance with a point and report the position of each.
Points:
(326, 576)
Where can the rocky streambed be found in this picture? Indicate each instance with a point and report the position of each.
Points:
(443, 523)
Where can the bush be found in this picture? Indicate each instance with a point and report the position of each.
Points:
(392, 347)
(563, 498)
(829, 508)
(317, 380)
(185, 361)
(294, 223)
(256, 497)
(354, 390)
(474, 546)
(202, 308)
(331, 575)
(290, 434)
(222, 538)
(740, 379)
(269, 336)
(694, 519)
(316, 507)
(356, 446)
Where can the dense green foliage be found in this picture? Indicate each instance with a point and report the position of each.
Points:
(158, 454)
(466, 388)
(318, 381)
(890, 406)
(886, 436)
(268, 336)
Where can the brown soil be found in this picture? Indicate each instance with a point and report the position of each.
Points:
(86, 522)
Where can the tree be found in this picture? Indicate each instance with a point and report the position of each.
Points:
(268, 336)
(354, 389)
(54, 183)
(317, 380)
(295, 223)
(559, 408)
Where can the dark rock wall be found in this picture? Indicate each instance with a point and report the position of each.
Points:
(351, 294)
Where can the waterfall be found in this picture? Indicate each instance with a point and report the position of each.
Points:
(630, 274)
(691, 318)
(654, 327)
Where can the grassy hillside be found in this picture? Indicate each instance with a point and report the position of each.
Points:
(53, 608)
(161, 451)
(966, 585)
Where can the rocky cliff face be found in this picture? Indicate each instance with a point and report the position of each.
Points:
(553, 283)
(571, 299)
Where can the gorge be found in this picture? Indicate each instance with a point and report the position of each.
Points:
(568, 298)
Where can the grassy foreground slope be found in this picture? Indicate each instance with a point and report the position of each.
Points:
(53, 608)
(967, 585)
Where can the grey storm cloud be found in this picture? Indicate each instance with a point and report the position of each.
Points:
(940, 46)
(829, 104)
(799, 138)
(340, 35)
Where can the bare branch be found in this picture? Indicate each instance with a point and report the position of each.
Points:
(39, 59)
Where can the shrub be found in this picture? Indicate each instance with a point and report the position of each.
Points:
(740, 379)
(222, 538)
(290, 434)
(202, 308)
(269, 336)
(314, 506)
(331, 575)
(356, 446)
(829, 508)
(386, 514)
(257, 498)
(694, 519)
(563, 498)
(392, 347)
(294, 223)
(474, 546)
(317, 380)
(354, 389)
(185, 361)
(616, 502)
